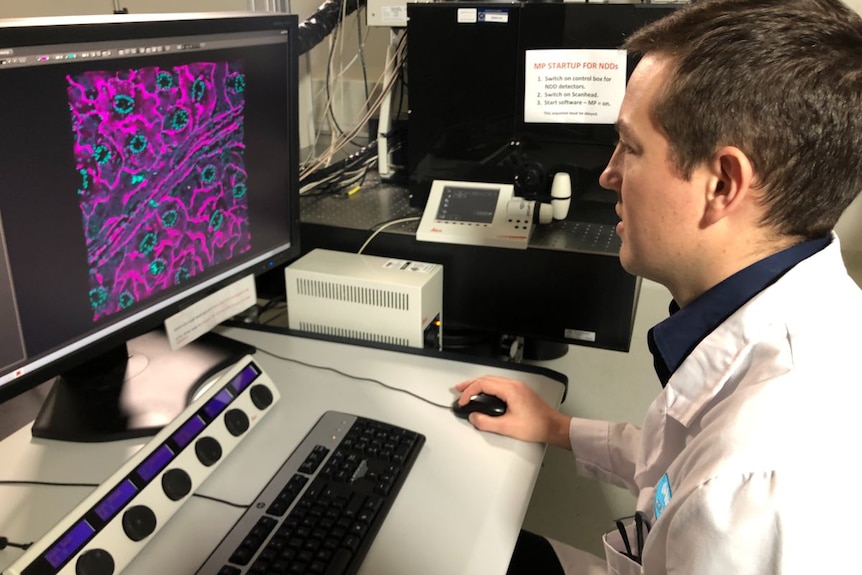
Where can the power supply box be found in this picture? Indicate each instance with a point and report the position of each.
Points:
(368, 298)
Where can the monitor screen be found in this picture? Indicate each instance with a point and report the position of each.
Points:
(147, 162)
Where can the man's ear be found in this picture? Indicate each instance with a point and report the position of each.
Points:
(730, 184)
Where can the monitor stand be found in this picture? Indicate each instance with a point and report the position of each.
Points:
(544, 350)
(132, 390)
(487, 344)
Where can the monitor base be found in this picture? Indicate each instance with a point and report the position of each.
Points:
(132, 390)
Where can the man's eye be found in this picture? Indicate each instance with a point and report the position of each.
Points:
(623, 147)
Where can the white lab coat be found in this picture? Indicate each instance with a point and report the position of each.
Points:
(758, 432)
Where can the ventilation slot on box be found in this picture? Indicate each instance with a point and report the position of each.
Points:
(354, 294)
(353, 334)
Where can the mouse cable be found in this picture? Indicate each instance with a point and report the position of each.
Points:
(355, 377)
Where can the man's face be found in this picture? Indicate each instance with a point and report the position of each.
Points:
(660, 212)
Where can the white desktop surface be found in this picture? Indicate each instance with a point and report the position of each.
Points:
(459, 510)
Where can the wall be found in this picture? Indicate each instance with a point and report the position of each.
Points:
(850, 226)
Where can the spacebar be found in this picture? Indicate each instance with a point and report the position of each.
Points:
(340, 562)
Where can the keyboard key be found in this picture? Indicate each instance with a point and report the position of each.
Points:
(340, 562)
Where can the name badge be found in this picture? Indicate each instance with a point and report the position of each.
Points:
(663, 494)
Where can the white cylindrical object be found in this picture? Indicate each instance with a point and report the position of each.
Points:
(561, 195)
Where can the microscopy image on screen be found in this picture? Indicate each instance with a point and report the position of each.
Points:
(159, 153)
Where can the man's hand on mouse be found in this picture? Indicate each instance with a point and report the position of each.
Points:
(528, 417)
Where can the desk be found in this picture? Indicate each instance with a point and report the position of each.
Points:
(459, 511)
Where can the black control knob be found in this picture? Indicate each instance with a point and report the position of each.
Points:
(176, 484)
(139, 522)
(261, 396)
(236, 422)
(94, 562)
(208, 450)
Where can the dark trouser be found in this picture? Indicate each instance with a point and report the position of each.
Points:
(534, 555)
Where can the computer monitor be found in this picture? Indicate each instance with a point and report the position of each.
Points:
(147, 162)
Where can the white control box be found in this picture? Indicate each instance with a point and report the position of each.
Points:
(476, 213)
(369, 298)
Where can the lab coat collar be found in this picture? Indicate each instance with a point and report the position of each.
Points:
(720, 355)
(673, 339)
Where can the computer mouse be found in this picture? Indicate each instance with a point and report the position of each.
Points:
(482, 403)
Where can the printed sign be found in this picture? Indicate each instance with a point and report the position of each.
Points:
(574, 86)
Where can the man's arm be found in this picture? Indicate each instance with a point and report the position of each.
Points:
(606, 451)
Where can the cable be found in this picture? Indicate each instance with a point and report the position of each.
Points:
(318, 26)
(47, 483)
(386, 85)
(384, 226)
(338, 39)
(282, 306)
(222, 501)
(330, 111)
(344, 68)
(354, 377)
(4, 543)
(361, 49)
(343, 174)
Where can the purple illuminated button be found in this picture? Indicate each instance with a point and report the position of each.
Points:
(69, 544)
(189, 430)
(157, 461)
(215, 405)
(115, 500)
(245, 377)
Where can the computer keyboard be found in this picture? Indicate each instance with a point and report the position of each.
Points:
(322, 509)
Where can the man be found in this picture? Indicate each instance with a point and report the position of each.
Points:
(740, 146)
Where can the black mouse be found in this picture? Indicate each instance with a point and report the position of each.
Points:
(483, 403)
